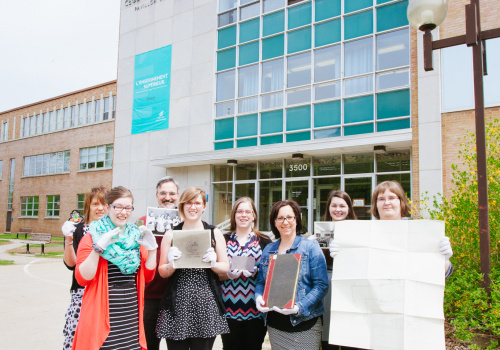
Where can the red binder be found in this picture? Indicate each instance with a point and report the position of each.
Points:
(281, 281)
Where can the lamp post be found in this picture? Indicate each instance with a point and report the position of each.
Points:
(426, 15)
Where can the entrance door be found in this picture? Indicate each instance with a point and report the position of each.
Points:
(9, 220)
(360, 190)
(299, 192)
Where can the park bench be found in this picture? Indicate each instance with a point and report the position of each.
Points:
(24, 231)
(38, 238)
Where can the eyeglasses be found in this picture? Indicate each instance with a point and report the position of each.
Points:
(190, 204)
(390, 199)
(241, 212)
(119, 208)
(164, 194)
(282, 219)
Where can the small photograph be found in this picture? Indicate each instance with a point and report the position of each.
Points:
(160, 220)
(323, 230)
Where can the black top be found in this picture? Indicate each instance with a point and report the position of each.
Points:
(282, 323)
(80, 231)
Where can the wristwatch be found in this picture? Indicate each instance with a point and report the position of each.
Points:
(97, 248)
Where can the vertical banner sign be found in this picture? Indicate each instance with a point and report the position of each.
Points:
(150, 110)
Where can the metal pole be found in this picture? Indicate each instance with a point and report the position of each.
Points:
(482, 179)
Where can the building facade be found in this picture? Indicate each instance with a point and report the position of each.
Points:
(51, 153)
(277, 99)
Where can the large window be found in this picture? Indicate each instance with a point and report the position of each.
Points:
(105, 115)
(46, 164)
(1, 169)
(53, 203)
(305, 53)
(99, 157)
(5, 131)
(29, 206)
(80, 198)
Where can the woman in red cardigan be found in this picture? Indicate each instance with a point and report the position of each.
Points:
(114, 261)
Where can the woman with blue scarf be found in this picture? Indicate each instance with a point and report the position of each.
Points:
(114, 261)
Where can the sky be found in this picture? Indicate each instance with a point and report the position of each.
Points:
(53, 47)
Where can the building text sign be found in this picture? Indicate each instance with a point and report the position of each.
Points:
(150, 111)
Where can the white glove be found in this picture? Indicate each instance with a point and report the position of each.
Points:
(312, 238)
(334, 248)
(68, 228)
(147, 239)
(247, 273)
(259, 302)
(210, 256)
(234, 274)
(173, 254)
(293, 311)
(445, 247)
(107, 238)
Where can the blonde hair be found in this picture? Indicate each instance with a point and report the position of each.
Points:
(188, 195)
(248, 200)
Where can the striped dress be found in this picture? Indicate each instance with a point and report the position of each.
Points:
(123, 311)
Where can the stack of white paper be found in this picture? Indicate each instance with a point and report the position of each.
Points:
(388, 285)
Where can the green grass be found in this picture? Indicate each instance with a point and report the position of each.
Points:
(21, 237)
(6, 262)
(49, 255)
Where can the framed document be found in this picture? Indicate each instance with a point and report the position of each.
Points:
(193, 244)
(281, 281)
(161, 220)
(243, 263)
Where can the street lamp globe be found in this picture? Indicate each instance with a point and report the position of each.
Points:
(426, 14)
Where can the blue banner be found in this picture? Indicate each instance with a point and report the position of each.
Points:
(150, 110)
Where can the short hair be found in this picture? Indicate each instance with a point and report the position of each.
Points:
(117, 193)
(165, 180)
(396, 188)
(248, 200)
(274, 214)
(99, 193)
(188, 195)
(342, 195)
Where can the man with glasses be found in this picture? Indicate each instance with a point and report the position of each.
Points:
(167, 196)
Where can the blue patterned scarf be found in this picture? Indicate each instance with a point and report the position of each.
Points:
(124, 253)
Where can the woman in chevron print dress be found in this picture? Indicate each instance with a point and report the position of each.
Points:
(238, 290)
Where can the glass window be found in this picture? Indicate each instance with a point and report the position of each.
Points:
(52, 121)
(223, 145)
(73, 116)
(81, 114)
(354, 5)
(322, 189)
(247, 125)
(358, 57)
(273, 47)
(358, 109)
(89, 112)
(53, 203)
(97, 110)
(298, 118)
(227, 4)
(325, 133)
(298, 96)
(298, 136)
(392, 16)
(223, 202)
(271, 170)
(273, 23)
(327, 33)
(226, 59)
(39, 124)
(358, 24)
(227, 18)
(105, 115)
(80, 198)
(249, 11)
(271, 122)
(1, 169)
(5, 131)
(299, 15)
(46, 164)
(358, 163)
(224, 129)
(327, 166)
(393, 104)
(246, 142)
(244, 190)
(326, 114)
(272, 101)
(394, 161)
(299, 40)
(327, 9)
(358, 85)
(358, 129)
(269, 140)
(394, 125)
(392, 79)
(327, 63)
(246, 171)
(248, 105)
(299, 70)
(29, 206)
(270, 193)
(226, 85)
(100, 157)
(297, 168)
(323, 92)
(113, 107)
(45, 122)
(393, 49)
(270, 5)
(249, 30)
(223, 172)
(248, 81)
(249, 53)
(272, 75)
(32, 126)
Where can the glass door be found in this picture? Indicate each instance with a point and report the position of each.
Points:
(298, 191)
(360, 190)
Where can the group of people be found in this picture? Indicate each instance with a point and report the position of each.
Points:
(127, 294)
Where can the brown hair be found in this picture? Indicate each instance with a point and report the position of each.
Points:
(117, 193)
(99, 193)
(248, 200)
(342, 195)
(188, 195)
(274, 214)
(396, 188)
